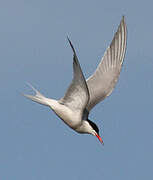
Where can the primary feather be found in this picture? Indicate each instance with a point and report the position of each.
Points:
(102, 82)
(77, 95)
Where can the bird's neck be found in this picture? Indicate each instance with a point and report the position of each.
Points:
(84, 127)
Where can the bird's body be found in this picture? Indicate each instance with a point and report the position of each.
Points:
(82, 95)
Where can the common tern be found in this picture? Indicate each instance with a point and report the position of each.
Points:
(82, 95)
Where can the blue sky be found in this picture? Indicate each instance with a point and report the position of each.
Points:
(34, 143)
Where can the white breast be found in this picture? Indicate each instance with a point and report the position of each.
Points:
(71, 118)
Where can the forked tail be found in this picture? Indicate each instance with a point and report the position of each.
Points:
(38, 97)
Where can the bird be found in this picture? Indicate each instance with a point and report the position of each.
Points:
(83, 94)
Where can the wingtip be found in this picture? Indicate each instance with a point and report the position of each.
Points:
(71, 44)
(68, 39)
(123, 20)
(123, 24)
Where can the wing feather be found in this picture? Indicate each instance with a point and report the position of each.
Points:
(102, 82)
(77, 95)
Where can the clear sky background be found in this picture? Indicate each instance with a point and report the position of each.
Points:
(34, 143)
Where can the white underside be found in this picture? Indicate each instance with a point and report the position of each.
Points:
(71, 118)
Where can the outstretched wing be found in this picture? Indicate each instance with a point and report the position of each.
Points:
(102, 82)
(77, 95)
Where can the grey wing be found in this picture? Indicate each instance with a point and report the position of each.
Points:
(102, 82)
(77, 95)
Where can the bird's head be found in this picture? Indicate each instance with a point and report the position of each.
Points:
(95, 130)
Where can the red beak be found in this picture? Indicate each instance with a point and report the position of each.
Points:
(100, 139)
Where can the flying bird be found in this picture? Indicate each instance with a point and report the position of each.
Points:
(82, 95)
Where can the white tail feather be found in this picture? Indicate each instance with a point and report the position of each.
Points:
(38, 97)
